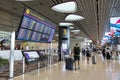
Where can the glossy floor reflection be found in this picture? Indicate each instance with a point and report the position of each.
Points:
(103, 70)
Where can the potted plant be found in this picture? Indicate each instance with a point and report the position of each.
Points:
(4, 64)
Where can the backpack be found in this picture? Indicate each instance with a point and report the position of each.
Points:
(87, 52)
(76, 50)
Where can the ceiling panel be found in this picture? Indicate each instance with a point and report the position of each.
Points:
(96, 13)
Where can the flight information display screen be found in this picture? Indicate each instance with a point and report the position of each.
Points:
(24, 34)
(39, 27)
(51, 35)
(36, 37)
(28, 23)
(34, 28)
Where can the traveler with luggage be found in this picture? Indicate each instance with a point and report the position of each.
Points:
(108, 53)
(104, 54)
(94, 56)
(76, 51)
(83, 51)
(117, 56)
(88, 55)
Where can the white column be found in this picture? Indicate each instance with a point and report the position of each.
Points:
(11, 61)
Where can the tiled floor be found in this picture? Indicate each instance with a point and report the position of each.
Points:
(108, 70)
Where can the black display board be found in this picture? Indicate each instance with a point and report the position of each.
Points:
(35, 28)
(42, 55)
(30, 56)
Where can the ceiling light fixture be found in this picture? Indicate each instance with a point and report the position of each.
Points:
(53, 40)
(75, 30)
(73, 17)
(78, 37)
(67, 7)
(65, 24)
(56, 35)
(71, 27)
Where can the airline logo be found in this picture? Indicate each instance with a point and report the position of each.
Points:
(27, 11)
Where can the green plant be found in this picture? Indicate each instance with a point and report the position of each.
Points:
(3, 61)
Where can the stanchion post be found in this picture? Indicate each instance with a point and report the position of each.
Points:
(51, 52)
(38, 64)
(23, 65)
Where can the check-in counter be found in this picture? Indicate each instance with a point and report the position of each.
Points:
(6, 54)
(18, 63)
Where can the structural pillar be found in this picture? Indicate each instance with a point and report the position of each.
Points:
(64, 41)
(11, 61)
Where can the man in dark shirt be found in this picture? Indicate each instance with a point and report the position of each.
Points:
(76, 56)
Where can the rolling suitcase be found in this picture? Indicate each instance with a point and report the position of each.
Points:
(69, 63)
(93, 60)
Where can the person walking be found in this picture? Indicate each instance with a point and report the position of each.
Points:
(108, 54)
(83, 51)
(76, 56)
(87, 55)
(104, 54)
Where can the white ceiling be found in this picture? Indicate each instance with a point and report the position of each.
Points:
(96, 13)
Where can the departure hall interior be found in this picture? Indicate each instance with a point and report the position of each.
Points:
(59, 39)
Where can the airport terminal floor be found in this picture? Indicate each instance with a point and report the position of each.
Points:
(103, 70)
